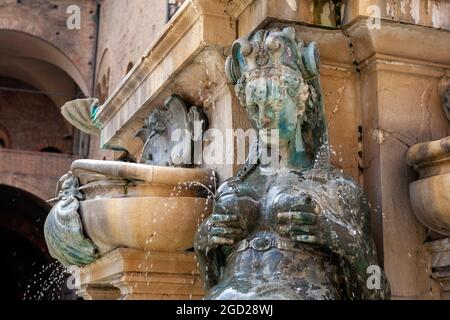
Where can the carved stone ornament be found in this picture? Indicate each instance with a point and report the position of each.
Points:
(430, 194)
(298, 230)
(170, 132)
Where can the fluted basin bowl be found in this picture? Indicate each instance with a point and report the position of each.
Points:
(430, 195)
(141, 206)
(147, 223)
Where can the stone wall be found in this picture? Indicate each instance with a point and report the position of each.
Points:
(127, 29)
(36, 173)
(46, 20)
(31, 121)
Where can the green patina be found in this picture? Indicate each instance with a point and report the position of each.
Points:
(63, 228)
(300, 229)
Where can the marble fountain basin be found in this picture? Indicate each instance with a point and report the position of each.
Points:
(141, 206)
(430, 195)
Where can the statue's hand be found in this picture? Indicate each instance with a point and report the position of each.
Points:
(231, 219)
(226, 228)
(301, 218)
(296, 217)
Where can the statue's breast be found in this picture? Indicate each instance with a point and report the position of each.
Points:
(287, 191)
(268, 256)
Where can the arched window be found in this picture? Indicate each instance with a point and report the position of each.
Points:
(172, 7)
(103, 77)
(129, 67)
(51, 150)
(4, 139)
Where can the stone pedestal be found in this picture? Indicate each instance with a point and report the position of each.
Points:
(128, 274)
(440, 264)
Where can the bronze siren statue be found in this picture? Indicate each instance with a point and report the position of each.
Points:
(300, 229)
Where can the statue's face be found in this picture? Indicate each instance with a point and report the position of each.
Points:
(275, 103)
(69, 183)
(156, 121)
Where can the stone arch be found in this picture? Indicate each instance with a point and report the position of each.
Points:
(48, 23)
(16, 194)
(50, 147)
(26, 186)
(27, 54)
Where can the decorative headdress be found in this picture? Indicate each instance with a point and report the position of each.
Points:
(276, 53)
(272, 48)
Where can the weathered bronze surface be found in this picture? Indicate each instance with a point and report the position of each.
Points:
(63, 228)
(300, 229)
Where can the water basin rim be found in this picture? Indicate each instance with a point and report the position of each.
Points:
(142, 172)
(147, 198)
(428, 153)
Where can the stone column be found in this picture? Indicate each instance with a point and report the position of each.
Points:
(401, 67)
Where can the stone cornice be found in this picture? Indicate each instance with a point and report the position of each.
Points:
(417, 43)
(397, 64)
(430, 14)
(235, 7)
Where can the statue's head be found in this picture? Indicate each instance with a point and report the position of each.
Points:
(156, 122)
(276, 80)
(68, 182)
(68, 185)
